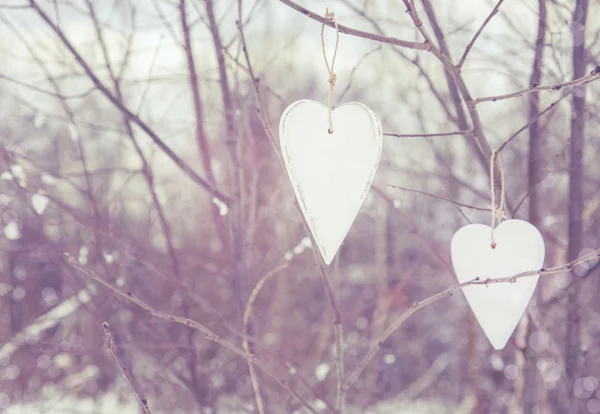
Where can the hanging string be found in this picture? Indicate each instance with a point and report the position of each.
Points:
(332, 76)
(497, 213)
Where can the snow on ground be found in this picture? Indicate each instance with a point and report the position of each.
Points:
(111, 404)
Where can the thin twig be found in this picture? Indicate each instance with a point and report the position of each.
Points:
(532, 120)
(436, 134)
(337, 325)
(338, 357)
(148, 175)
(146, 169)
(78, 216)
(556, 299)
(483, 150)
(259, 106)
(183, 166)
(595, 74)
(202, 141)
(14, 7)
(427, 379)
(450, 292)
(80, 95)
(472, 42)
(210, 335)
(111, 348)
(236, 215)
(245, 326)
(441, 198)
(339, 364)
(154, 312)
(69, 112)
(414, 230)
(353, 32)
(354, 69)
(415, 61)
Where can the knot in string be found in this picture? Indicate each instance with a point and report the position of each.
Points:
(500, 214)
(332, 77)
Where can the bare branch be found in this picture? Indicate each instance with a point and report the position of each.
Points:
(594, 74)
(259, 105)
(378, 343)
(485, 150)
(119, 105)
(208, 334)
(353, 32)
(232, 141)
(532, 120)
(338, 358)
(441, 198)
(126, 374)
(472, 42)
(202, 141)
(245, 328)
(14, 6)
(45, 92)
(337, 324)
(354, 69)
(413, 228)
(437, 134)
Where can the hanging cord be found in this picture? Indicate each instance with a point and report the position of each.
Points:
(332, 76)
(497, 213)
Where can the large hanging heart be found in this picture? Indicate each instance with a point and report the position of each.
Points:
(519, 247)
(330, 173)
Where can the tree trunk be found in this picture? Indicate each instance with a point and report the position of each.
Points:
(573, 334)
(530, 384)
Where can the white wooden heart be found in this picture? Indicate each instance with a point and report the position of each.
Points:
(330, 173)
(519, 248)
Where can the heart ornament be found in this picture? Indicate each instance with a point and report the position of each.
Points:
(330, 173)
(519, 248)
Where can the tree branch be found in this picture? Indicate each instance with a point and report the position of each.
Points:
(208, 334)
(245, 328)
(354, 32)
(450, 292)
(531, 121)
(472, 42)
(594, 74)
(337, 324)
(201, 138)
(481, 147)
(441, 198)
(111, 348)
(437, 134)
(183, 166)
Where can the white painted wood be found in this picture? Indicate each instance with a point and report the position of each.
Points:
(519, 248)
(330, 173)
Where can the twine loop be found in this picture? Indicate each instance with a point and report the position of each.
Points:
(332, 76)
(497, 213)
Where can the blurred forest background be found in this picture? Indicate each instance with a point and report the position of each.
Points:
(137, 136)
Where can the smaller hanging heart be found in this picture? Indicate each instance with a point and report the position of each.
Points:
(519, 247)
(330, 173)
